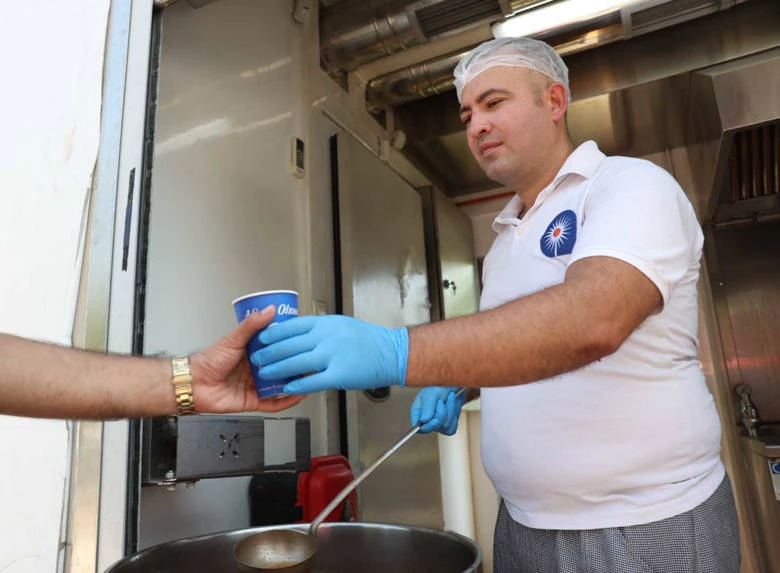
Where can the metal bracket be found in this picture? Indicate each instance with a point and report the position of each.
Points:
(189, 448)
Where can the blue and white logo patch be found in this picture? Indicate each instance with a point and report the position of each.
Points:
(561, 234)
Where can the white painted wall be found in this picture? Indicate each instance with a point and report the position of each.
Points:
(52, 58)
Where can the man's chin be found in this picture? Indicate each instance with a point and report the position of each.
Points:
(498, 173)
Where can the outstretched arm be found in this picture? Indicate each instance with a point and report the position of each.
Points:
(556, 330)
(46, 380)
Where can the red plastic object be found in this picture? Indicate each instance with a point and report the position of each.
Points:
(317, 487)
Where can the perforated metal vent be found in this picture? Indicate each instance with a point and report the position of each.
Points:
(451, 15)
(670, 13)
(754, 163)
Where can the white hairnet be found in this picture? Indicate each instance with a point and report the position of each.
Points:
(514, 53)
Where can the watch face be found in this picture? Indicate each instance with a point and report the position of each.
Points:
(180, 366)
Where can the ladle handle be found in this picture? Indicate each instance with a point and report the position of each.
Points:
(358, 480)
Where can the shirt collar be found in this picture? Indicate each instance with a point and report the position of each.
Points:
(583, 161)
(508, 214)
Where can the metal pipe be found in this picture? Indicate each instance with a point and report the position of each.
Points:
(413, 82)
(435, 76)
(371, 29)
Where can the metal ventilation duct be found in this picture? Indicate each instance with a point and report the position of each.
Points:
(736, 130)
(568, 37)
(353, 33)
(439, 19)
(659, 16)
(754, 163)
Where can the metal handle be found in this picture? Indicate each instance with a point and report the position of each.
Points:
(358, 480)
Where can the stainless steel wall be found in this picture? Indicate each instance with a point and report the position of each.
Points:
(745, 269)
(227, 215)
(384, 278)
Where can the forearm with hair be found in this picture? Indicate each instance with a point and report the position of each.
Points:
(45, 380)
(556, 330)
(525, 340)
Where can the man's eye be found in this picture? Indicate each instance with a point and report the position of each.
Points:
(465, 119)
(493, 103)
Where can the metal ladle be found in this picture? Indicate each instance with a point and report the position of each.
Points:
(293, 550)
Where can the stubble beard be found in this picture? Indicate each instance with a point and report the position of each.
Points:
(502, 170)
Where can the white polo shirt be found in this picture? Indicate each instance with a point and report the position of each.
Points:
(631, 438)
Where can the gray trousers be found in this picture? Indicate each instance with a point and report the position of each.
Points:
(702, 540)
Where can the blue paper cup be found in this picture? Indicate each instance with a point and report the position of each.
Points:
(286, 303)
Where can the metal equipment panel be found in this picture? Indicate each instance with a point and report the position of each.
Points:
(385, 282)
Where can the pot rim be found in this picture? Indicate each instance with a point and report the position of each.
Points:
(236, 535)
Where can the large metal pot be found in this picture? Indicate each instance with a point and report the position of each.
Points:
(343, 548)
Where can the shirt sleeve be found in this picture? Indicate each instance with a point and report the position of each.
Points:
(641, 216)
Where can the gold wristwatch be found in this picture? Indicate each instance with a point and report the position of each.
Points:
(182, 385)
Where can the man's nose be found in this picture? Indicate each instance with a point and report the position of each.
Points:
(478, 125)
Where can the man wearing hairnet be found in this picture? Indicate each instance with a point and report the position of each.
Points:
(598, 430)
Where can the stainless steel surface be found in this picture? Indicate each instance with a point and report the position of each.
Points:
(582, 30)
(83, 507)
(189, 448)
(712, 353)
(343, 548)
(745, 91)
(227, 216)
(735, 96)
(434, 75)
(292, 551)
(457, 259)
(280, 550)
(413, 82)
(744, 265)
(746, 289)
(452, 264)
(632, 97)
(354, 33)
(384, 280)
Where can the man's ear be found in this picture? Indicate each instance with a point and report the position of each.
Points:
(557, 100)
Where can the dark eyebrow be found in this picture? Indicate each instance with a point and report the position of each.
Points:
(482, 97)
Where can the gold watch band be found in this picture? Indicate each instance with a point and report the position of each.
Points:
(182, 385)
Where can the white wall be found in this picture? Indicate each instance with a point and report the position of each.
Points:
(52, 57)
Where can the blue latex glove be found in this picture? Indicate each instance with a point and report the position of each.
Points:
(437, 408)
(338, 351)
